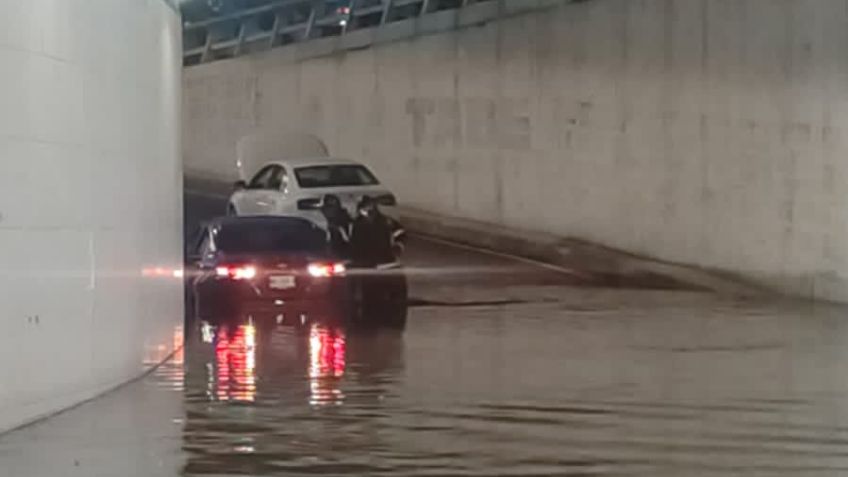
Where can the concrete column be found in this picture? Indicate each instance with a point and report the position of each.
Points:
(90, 198)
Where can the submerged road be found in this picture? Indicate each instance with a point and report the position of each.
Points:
(505, 368)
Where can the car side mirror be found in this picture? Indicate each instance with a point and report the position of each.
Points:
(239, 185)
(387, 200)
(309, 204)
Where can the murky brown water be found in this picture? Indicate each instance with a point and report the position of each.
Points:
(645, 385)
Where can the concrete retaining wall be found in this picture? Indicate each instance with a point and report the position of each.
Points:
(696, 131)
(90, 196)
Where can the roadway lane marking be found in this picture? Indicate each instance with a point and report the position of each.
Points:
(515, 258)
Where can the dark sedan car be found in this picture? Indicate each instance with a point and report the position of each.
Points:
(273, 269)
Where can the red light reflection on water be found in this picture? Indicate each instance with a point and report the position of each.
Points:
(234, 376)
(326, 364)
(326, 352)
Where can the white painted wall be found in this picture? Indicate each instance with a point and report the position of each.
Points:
(705, 132)
(90, 194)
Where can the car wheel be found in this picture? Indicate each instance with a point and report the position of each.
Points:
(231, 210)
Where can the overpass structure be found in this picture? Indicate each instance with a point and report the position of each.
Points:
(210, 34)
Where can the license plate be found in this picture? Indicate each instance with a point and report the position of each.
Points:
(281, 282)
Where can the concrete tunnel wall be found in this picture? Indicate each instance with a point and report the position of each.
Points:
(90, 195)
(705, 132)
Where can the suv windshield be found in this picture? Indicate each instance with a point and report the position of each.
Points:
(265, 237)
(334, 176)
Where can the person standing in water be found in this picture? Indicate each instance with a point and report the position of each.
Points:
(339, 225)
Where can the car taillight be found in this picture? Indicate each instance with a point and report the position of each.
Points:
(236, 273)
(323, 270)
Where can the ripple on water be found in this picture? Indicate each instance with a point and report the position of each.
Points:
(489, 397)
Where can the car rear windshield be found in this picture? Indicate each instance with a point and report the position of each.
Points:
(269, 237)
(334, 176)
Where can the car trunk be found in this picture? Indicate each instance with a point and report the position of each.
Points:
(281, 275)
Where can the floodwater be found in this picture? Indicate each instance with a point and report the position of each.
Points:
(504, 369)
(500, 371)
(613, 383)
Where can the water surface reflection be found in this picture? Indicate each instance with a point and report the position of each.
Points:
(232, 377)
(326, 364)
(274, 400)
(682, 386)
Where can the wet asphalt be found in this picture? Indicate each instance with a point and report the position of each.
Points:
(504, 369)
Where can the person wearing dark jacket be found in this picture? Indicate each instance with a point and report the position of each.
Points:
(381, 292)
(371, 236)
(338, 224)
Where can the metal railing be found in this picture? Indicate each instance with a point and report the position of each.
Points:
(289, 21)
